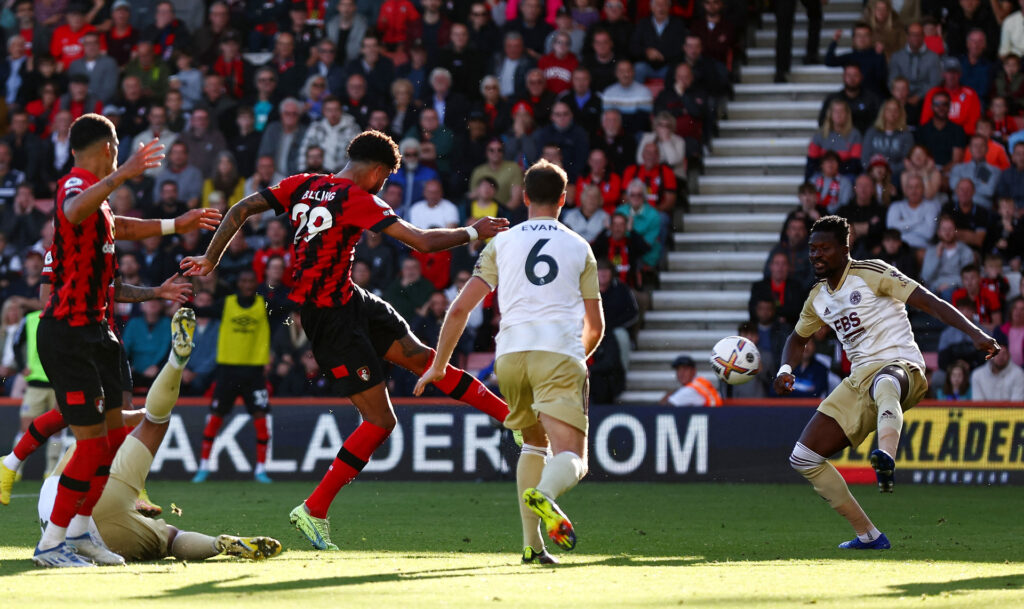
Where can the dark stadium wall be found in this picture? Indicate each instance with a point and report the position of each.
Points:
(940, 444)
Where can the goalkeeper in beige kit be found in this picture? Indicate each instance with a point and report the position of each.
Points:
(863, 301)
(551, 321)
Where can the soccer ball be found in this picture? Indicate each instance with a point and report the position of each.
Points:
(735, 360)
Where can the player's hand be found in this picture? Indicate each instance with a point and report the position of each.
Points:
(489, 226)
(431, 375)
(194, 219)
(197, 266)
(984, 342)
(148, 156)
(172, 289)
(784, 384)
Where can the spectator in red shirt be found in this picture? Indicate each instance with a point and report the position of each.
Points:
(396, 18)
(66, 43)
(657, 176)
(277, 245)
(607, 181)
(229, 64)
(986, 302)
(964, 105)
(558, 64)
(78, 100)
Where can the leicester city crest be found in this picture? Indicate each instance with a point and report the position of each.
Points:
(855, 298)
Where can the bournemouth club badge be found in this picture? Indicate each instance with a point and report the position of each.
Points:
(364, 373)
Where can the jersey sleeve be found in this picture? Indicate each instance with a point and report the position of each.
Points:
(809, 322)
(892, 283)
(279, 196)
(487, 266)
(588, 279)
(369, 211)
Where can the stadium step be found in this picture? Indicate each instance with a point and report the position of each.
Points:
(831, 19)
(753, 110)
(746, 146)
(700, 300)
(724, 321)
(697, 223)
(742, 204)
(678, 339)
(726, 242)
(708, 280)
(768, 128)
(662, 359)
(765, 56)
(781, 92)
(747, 165)
(641, 397)
(717, 261)
(776, 185)
(798, 73)
(655, 380)
(766, 37)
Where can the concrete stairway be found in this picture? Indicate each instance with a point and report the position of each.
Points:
(737, 208)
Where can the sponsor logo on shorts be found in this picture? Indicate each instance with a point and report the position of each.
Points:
(855, 298)
(364, 373)
(75, 398)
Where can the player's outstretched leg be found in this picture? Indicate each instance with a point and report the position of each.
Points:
(557, 524)
(39, 430)
(888, 387)
(316, 530)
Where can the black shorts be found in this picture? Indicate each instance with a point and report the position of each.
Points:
(350, 341)
(83, 364)
(247, 382)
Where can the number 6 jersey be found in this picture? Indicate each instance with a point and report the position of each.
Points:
(328, 214)
(545, 272)
(867, 312)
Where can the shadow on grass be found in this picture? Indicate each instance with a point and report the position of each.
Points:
(995, 582)
(224, 586)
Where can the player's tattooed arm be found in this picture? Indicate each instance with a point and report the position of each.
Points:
(438, 239)
(83, 203)
(229, 226)
(171, 289)
(923, 300)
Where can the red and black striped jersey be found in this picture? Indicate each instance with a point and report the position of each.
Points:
(47, 277)
(328, 214)
(84, 265)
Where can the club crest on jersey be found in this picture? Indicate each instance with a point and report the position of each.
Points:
(99, 405)
(855, 298)
(364, 373)
(318, 195)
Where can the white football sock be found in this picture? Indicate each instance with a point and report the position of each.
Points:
(872, 534)
(561, 473)
(79, 525)
(11, 462)
(528, 474)
(53, 536)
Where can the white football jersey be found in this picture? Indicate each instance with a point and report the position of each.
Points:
(867, 312)
(544, 271)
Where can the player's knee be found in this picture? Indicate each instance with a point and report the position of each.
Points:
(384, 420)
(805, 460)
(894, 374)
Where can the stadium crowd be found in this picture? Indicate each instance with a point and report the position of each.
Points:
(243, 93)
(921, 150)
(623, 94)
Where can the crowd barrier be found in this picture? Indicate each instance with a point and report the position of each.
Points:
(745, 441)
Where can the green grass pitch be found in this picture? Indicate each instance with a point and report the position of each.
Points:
(641, 545)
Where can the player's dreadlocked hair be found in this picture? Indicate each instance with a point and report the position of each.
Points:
(835, 225)
(89, 129)
(375, 147)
